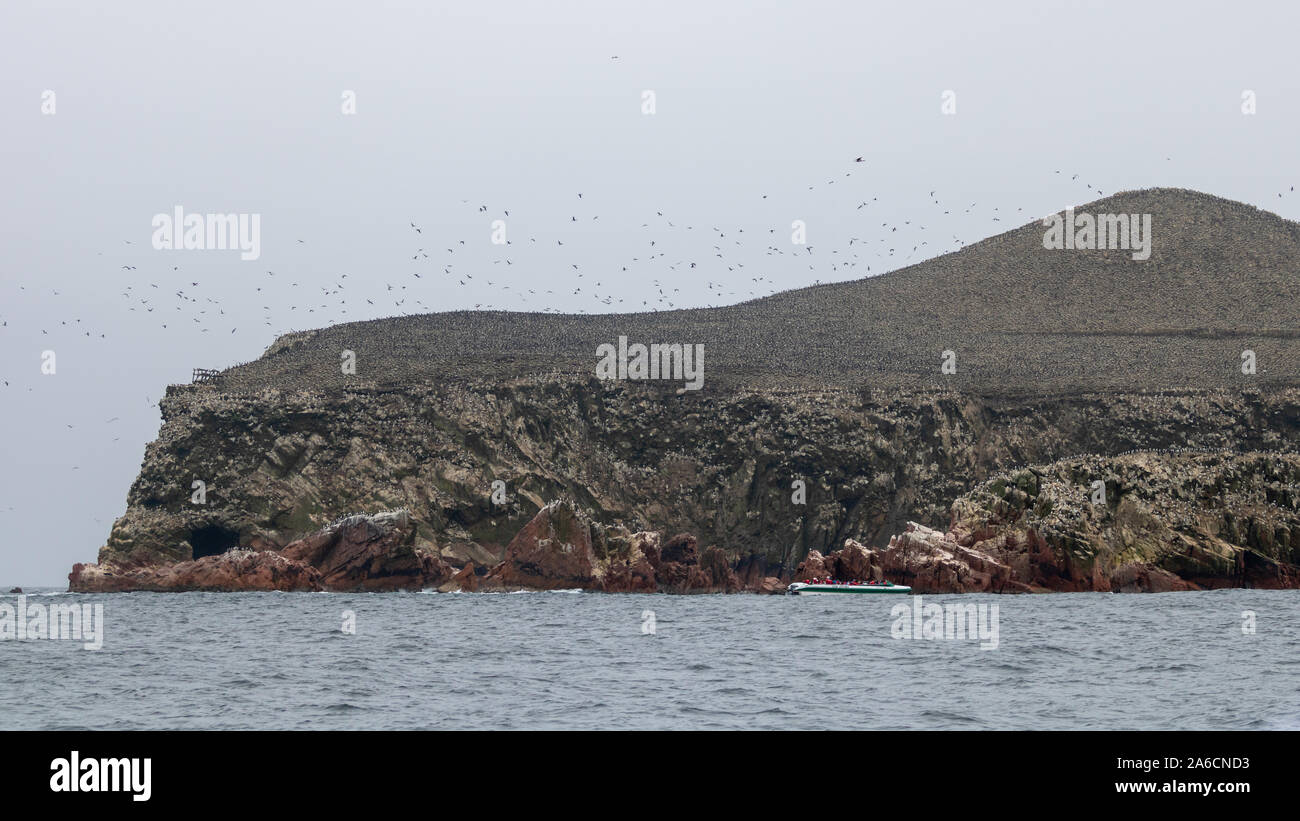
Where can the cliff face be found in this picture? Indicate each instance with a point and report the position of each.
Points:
(1095, 523)
(723, 466)
(1141, 522)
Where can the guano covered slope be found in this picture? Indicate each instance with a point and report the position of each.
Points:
(1222, 277)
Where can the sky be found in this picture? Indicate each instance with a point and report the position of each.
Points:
(345, 127)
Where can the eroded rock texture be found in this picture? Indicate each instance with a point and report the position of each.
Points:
(1137, 523)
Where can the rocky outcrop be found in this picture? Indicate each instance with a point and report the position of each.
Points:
(1142, 522)
(231, 572)
(560, 548)
(1137, 523)
(853, 562)
(563, 548)
(465, 580)
(682, 568)
(1166, 520)
(280, 465)
(556, 550)
(370, 553)
(356, 553)
(934, 562)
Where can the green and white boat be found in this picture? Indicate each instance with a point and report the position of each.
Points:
(850, 588)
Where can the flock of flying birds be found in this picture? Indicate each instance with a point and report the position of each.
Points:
(707, 253)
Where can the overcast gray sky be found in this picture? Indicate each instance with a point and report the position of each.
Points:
(236, 107)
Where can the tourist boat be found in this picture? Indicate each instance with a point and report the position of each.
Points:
(817, 588)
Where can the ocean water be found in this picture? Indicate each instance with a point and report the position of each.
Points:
(570, 660)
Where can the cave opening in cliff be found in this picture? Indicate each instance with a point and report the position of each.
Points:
(212, 540)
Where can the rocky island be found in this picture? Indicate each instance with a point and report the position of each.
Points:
(1006, 418)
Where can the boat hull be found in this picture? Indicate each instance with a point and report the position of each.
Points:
(805, 589)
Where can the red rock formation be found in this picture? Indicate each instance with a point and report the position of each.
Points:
(370, 553)
(852, 563)
(561, 548)
(713, 574)
(934, 562)
(235, 571)
(649, 544)
(680, 549)
(813, 566)
(357, 553)
(465, 580)
(929, 561)
(856, 563)
(630, 566)
(552, 552)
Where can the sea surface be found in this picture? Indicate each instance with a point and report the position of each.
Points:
(572, 660)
